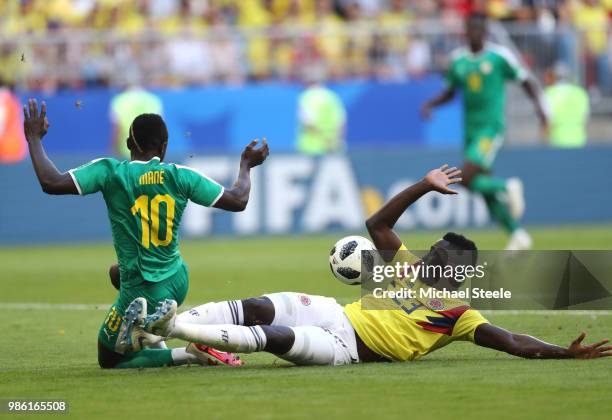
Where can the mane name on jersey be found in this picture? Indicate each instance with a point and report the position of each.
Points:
(151, 177)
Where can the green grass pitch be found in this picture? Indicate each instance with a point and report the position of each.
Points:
(50, 351)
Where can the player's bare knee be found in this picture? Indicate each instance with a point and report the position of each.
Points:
(113, 273)
(258, 311)
(105, 364)
(107, 359)
(279, 340)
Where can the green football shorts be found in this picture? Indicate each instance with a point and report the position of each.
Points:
(174, 287)
(482, 145)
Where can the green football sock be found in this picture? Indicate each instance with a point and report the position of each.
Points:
(499, 212)
(486, 184)
(146, 358)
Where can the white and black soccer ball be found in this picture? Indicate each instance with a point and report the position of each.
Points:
(345, 258)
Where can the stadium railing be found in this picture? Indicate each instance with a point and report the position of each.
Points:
(233, 55)
(355, 49)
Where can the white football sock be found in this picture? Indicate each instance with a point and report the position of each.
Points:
(159, 345)
(181, 357)
(311, 347)
(225, 337)
(227, 312)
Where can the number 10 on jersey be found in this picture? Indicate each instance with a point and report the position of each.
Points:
(149, 218)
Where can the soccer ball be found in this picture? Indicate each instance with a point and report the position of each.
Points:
(345, 258)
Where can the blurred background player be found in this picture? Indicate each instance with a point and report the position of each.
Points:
(321, 118)
(124, 107)
(591, 18)
(150, 263)
(480, 71)
(568, 105)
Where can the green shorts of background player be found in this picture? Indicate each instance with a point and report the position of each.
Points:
(503, 197)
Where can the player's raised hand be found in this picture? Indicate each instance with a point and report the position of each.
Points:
(439, 179)
(35, 124)
(592, 351)
(253, 156)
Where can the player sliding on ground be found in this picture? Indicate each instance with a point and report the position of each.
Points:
(145, 198)
(480, 71)
(315, 330)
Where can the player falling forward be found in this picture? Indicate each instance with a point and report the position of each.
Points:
(480, 71)
(145, 198)
(315, 330)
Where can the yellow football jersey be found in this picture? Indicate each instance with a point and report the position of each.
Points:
(406, 329)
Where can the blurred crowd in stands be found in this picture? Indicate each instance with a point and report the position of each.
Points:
(49, 44)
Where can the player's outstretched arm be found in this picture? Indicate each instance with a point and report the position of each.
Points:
(380, 224)
(237, 197)
(35, 126)
(526, 346)
(534, 93)
(445, 96)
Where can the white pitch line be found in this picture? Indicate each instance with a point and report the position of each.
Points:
(105, 306)
(56, 306)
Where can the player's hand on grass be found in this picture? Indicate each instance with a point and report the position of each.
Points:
(255, 156)
(35, 125)
(592, 351)
(439, 179)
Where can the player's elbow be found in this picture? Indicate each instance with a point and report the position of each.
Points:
(48, 187)
(373, 223)
(56, 184)
(231, 201)
(241, 205)
(53, 187)
(238, 205)
(240, 200)
(369, 224)
(45, 187)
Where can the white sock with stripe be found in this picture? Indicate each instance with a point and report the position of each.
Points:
(225, 337)
(227, 312)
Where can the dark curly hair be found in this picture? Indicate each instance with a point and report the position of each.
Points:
(462, 243)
